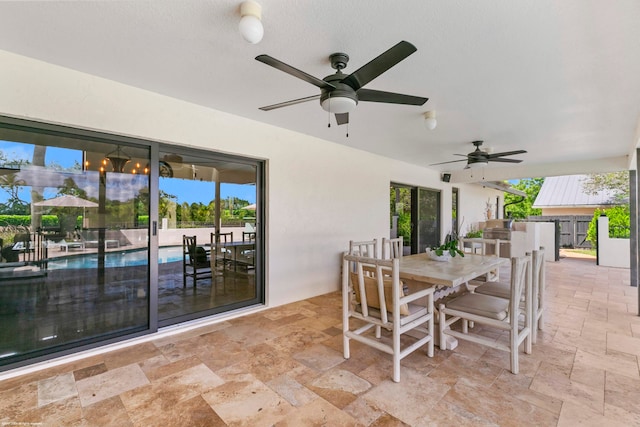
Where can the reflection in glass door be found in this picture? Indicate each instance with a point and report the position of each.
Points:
(208, 237)
(401, 221)
(410, 206)
(74, 238)
(83, 213)
(428, 213)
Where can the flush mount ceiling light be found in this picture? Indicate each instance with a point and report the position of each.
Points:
(430, 121)
(250, 24)
(477, 164)
(338, 104)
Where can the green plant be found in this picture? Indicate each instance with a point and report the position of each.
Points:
(473, 234)
(619, 223)
(450, 245)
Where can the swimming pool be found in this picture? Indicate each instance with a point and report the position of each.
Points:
(117, 259)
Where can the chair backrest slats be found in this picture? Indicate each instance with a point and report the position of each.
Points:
(366, 269)
(487, 246)
(368, 248)
(392, 248)
(538, 270)
(520, 283)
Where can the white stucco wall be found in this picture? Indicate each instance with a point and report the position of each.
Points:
(612, 252)
(319, 194)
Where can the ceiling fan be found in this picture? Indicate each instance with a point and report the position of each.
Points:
(478, 157)
(339, 92)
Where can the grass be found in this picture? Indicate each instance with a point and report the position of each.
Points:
(590, 252)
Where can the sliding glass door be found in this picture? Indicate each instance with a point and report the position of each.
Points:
(428, 214)
(415, 215)
(92, 228)
(74, 233)
(213, 201)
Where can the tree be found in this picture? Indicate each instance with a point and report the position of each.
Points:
(14, 204)
(619, 218)
(515, 206)
(615, 182)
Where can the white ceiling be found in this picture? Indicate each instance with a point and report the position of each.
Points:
(560, 79)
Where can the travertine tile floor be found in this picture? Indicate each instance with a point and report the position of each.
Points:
(284, 367)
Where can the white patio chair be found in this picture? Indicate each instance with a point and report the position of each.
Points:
(392, 248)
(493, 311)
(538, 289)
(502, 289)
(368, 248)
(486, 247)
(373, 293)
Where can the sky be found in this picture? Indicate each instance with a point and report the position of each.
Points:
(122, 186)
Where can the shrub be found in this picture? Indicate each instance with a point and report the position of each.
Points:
(619, 224)
(25, 220)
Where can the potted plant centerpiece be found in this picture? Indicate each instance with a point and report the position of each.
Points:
(445, 251)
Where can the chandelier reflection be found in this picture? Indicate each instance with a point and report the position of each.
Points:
(118, 159)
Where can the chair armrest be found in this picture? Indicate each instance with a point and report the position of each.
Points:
(417, 295)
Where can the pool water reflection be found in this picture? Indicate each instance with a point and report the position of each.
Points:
(117, 259)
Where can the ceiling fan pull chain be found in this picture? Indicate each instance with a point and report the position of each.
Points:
(329, 113)
(347, 129)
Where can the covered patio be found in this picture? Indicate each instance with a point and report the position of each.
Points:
(557, 81)
(284, 366)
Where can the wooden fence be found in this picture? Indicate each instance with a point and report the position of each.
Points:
(573, 229)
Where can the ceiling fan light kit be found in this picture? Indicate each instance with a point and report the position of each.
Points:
(250, 25)
(340, 93)
(338, 104)
(478, 164)
(430, 121)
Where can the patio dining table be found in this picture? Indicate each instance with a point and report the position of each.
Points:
(421, 271)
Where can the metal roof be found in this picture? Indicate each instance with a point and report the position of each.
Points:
(567, 191)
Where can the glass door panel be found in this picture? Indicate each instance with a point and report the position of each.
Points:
(428, 213)
(401, 221)
(74, 235)
(213, 202)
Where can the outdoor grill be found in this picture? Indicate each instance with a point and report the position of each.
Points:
(503, 234)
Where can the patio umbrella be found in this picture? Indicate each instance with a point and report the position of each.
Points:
(67, 201)
(251, 207)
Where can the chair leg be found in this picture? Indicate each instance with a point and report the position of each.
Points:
(534, 319)
(513, 336)
(534, 330)
(442, 318)
(396, 353)
(345, 347)
(529, 323)
(430, 325)
(345, 323)
(378, 332)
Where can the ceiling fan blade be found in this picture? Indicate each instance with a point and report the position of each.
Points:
(444, 163)
(342, 119)
(275, 63)
(379, 65)
(500, 159)
(506, 153)
(389, 97)
(292, 102)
